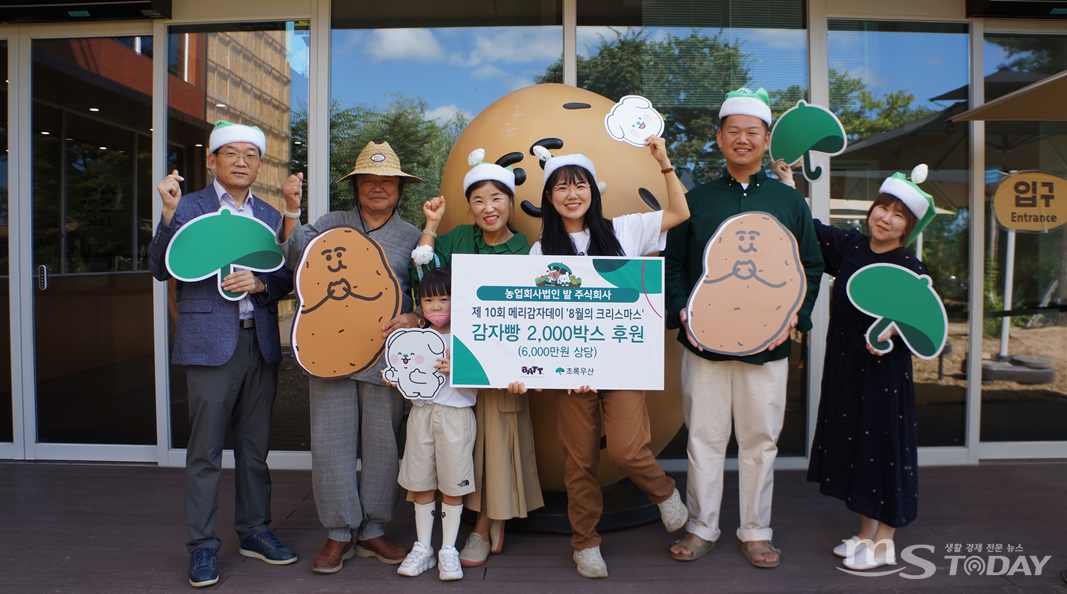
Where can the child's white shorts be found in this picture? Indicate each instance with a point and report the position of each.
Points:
(439, 452)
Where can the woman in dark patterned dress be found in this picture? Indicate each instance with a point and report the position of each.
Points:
(864, 450)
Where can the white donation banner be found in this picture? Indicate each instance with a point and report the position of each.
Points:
(557, 322)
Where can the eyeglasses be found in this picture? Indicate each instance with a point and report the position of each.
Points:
(232, 157)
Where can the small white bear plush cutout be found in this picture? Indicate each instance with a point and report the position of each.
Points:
(412, 355)
(633, 120)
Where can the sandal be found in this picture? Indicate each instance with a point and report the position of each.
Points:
(751, 555)
(696, 551)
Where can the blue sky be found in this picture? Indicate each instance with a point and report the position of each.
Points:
(925, 64)
(466, 69)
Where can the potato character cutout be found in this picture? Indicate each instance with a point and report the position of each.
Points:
(347, 292)
(411, 356)
(566, 119)
(752, 287)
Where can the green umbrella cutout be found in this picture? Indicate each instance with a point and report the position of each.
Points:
(218, 243)
(898, 297)
(803, 129)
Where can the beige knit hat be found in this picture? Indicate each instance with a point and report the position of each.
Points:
(379, 159)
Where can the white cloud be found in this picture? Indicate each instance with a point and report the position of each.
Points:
(346, 41)
(511, 81)
(418, 45)
(589, 39)
(784, 40)
(515, 83)
(446, 112)
(512, 45)
(933, 60)
(488, 71)
(868, 76)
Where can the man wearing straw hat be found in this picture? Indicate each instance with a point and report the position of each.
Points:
(231, 351)
(359, 413)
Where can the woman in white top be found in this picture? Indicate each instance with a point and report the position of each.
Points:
(572, 215)
(573, 223)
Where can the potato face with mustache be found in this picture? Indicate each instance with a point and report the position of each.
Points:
(752, 287)
(346, 293)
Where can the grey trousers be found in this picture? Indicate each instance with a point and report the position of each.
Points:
(349, 420)
(239, 393)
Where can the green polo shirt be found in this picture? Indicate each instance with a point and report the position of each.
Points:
(467, 239)
(709, 205)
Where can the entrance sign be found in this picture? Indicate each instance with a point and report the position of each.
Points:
(557, 322)
(1031, 202)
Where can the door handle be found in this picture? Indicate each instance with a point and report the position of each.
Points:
(42, 277)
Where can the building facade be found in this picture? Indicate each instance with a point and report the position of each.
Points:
(98, 111)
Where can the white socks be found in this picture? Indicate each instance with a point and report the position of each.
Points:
(451, 515)
(424, 521)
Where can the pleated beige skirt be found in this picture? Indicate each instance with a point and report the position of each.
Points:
(505, 466)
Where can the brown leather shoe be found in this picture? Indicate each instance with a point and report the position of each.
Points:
(332, 556)
(384, 549)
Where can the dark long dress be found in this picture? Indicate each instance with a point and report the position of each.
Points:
(864, 450)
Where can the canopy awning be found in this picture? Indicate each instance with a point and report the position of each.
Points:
(1040, 101)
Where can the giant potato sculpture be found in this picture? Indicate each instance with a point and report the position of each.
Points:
(566, 120)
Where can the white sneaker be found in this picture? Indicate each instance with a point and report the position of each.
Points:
(862, 560)
(673, 513)
(590, 563)
(418, 560)
(448, 564)
(847, 546)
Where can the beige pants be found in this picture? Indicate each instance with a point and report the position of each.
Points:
(438, 451)
(753, 396)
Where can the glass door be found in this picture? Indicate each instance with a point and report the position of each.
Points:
(91, 201)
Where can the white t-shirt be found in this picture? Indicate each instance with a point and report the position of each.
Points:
(449, 396)
(638, 234)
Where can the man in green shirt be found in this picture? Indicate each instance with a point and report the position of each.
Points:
(749, 390)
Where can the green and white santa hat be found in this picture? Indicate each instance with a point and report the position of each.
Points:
(553, 163)
(918, 202)
(482, 171)
(226, 132)
(749, 103)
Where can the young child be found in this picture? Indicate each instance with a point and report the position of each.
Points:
(439, 452)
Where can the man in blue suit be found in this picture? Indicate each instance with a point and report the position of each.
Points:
(231, 351)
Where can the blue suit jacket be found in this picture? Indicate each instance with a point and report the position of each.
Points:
(207, 322)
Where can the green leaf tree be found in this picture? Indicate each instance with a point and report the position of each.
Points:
(421, 144)
(686, 78)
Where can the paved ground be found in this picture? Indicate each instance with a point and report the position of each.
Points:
(120, 529)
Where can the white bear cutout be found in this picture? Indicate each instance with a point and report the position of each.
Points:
(633, 119)
(412, 357)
